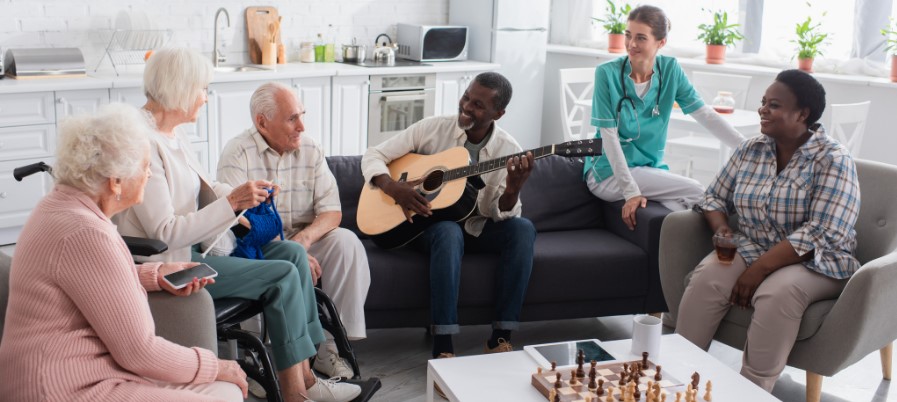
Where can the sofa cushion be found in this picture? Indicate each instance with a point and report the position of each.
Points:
(347, 170)
(556, 198)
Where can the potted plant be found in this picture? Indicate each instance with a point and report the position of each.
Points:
(717, 36)
(890, 34)
(614, 23)
(809, 41)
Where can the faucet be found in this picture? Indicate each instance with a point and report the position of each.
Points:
(217, 56)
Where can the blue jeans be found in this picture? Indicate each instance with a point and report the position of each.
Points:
(446, 243)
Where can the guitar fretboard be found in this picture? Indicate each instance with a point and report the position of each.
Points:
(494, 164)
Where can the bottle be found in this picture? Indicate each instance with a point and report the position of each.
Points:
(319, 49)
(724, 103)
(330, 46)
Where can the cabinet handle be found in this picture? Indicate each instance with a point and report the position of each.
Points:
(61, 100)
(213, 92)
(3, 194)
(297, 86)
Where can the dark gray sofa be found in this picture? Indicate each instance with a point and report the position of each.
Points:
(586, 263)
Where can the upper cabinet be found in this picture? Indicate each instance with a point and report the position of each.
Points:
(449, 89)
(350, 115)
(194, 132)
(70, 103)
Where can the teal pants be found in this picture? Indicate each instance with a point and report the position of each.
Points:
(282, 281)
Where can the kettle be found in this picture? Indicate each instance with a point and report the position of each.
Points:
(385, 53)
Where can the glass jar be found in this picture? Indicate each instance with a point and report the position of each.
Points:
(307, 52)
(724, 103)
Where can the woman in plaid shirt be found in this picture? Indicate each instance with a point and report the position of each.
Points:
(797, 198)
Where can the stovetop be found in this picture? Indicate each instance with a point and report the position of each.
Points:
(398, 63)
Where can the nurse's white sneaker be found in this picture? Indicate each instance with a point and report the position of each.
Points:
(332, 391)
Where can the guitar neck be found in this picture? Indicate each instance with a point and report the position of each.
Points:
(494, 164)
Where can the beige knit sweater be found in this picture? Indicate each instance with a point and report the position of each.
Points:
(78, 326)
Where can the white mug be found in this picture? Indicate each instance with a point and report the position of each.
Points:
(646, 336)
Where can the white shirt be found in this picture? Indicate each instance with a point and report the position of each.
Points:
(437, 134)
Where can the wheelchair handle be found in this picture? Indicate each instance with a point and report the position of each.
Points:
(22, 172)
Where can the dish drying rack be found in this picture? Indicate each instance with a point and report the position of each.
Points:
(129, 47)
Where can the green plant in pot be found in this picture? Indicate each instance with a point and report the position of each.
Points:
(614, 23)
(809, 42)
(717, 36)
(890, 34)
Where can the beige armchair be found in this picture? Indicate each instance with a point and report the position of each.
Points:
(834, 333)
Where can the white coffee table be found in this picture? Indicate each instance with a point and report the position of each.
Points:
(506, 376)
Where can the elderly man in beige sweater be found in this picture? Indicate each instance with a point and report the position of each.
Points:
(276, 149)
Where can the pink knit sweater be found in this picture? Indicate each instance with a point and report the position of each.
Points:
(78, 326)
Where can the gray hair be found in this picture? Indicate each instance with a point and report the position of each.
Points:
(263, 101)
(93, 148)
(174, 77)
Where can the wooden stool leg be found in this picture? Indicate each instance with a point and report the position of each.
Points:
(814, 387)
(886, 361)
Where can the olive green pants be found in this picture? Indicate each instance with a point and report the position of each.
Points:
(282, 281)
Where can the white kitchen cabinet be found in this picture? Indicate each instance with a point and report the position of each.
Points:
(229, 115)
(201, 152)
(17, 199)
(315, 96)
(24, 142)
(349, 115)
(449, 89)
(26, 109)
(69, 103)
(195, 132)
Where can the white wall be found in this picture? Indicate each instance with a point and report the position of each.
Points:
(880, 139)
(60, 23)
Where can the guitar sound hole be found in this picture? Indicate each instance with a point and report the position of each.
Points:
(433, 180)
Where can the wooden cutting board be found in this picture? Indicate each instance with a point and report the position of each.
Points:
(257, 21)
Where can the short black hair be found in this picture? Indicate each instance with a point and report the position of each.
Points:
(500, 84)
(809, 93)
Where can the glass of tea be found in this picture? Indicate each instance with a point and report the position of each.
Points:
(726, 244)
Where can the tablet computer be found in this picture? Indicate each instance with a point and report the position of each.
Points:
(564, 353)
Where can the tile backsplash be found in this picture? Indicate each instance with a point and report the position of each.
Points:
(87, 24)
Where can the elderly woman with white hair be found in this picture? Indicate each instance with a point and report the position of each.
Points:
(183, 208)
(78, 325)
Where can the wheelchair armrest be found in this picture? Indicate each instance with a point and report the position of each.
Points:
(144, 247)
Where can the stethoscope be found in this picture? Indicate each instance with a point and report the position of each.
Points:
(654, 112)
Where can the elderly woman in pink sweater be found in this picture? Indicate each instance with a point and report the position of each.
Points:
(78, 326)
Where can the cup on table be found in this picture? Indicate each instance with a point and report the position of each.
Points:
(646, 335)
(726, 244)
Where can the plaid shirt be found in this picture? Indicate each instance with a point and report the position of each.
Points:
(813, 202)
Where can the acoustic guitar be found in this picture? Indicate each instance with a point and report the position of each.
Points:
(444, 182)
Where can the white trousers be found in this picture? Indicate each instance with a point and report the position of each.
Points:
(345, 276)
(675, 192)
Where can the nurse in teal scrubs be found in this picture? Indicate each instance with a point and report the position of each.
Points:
(631, 107)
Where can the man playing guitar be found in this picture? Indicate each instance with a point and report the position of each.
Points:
(495, 226)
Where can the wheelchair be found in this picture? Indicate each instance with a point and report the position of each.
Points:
(230, 312)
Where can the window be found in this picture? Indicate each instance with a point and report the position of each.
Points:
(781, 17)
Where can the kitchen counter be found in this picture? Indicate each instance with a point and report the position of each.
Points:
(281, 71)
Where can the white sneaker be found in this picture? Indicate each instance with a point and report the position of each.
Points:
(333, 366)
(332, 391)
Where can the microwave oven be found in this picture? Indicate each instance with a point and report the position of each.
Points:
(432, 42)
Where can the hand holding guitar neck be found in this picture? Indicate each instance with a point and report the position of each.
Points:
(405, 194)
(519, 169)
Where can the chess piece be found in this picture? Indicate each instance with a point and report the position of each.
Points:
(650, 397)
(650, 384)
(538, 370)
(657, 388)
(558, 384)
(694, 395)
(580, 360)
(679, 396)
(588, 398)
(610, 394)
(593, 372)
(594, 363)
(657, 376)
(554, 366)
(552, 394)
(600, 390)
(623, 378)
(707, 396)
(663, 397)
(636, 393)
(592, 383)
(695, 380)
(644, 359)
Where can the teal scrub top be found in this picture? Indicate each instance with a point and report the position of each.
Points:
(642, 146)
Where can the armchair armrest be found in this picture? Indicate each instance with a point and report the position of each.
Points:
(647, 236)
(685, 240)
(187, 321)
(860, 322)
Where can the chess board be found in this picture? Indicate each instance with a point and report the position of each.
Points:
(609, 372)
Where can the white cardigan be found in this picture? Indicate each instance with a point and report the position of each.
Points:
(169, 209)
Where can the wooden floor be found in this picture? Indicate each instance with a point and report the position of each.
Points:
(399, 358)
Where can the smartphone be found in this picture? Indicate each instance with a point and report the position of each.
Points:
(183, 278)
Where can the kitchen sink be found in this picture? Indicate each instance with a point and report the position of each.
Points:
(238, 69)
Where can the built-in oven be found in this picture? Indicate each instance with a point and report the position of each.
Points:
(397, 102)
